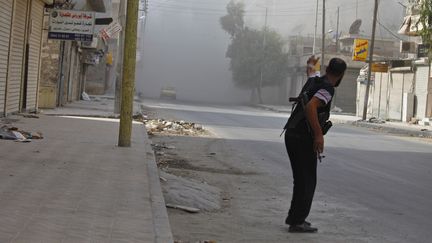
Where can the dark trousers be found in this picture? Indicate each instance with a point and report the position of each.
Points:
(304, 168)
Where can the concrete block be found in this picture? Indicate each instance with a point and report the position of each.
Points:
(424, 123)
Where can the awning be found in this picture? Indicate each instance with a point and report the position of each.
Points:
(411, 26)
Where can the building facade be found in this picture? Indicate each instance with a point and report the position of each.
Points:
(21, 23)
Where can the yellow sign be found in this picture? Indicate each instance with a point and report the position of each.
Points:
(109, 58)
(361, 47)
(379, 68)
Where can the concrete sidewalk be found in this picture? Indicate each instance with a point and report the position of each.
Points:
(76, 185)
(398, 128)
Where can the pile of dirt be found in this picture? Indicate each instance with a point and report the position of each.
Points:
(161, 126)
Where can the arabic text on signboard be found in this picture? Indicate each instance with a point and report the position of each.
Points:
(379, 67)
(71, 25)
(360, 52)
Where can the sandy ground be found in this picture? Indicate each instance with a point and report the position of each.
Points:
(243, 197)
(251, 210)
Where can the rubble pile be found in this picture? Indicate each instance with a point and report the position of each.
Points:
(13, 133)
(162, 126)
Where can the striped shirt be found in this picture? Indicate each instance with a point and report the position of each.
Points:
(323, 95)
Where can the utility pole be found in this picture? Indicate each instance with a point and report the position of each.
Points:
(128, 80)
(316, 27)
(337, 32)
(323, 40)
(366, 100)
(264, 48)
(119, 65)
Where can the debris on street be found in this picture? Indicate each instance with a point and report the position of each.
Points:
(140, 117)
(85, 96)
(13, 133)
(201, 241)
(161, 126)
(376, 120)
(159, 147)
(184, 208)
(30, 116)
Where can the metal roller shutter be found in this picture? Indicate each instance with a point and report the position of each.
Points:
(421, 90)
(5, 28)
(35, 40)
(16, 56)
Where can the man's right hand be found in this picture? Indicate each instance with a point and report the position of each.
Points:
(318, 143)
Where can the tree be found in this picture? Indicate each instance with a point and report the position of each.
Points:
(233, 22)
(257, 56)
(425, 21)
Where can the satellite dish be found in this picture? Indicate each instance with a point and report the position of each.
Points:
(355, 27)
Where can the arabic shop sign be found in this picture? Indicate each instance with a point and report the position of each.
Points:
(71, 25)
(360, 52)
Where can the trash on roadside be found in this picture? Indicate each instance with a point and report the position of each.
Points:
(414, 121)
(30, 116)
(184, 208)
(13, 133)
(139, 117)
(174, 127)
(336, 109)
(376, 120)
(85, 96)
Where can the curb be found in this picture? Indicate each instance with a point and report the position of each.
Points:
(161, 222)
(378, 127)
(393, 130)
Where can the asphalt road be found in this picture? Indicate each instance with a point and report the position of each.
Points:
(372, 187)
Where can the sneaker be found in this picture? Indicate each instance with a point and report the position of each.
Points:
(302, 228)
(305, 222)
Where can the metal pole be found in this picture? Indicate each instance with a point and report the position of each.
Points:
(379, 99)
(264, 47)
(366, 100)
(128, 82)
(323, 39)
(337, 32)
(316, 27)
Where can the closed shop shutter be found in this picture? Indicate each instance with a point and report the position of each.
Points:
(35, 40)
(16, 56)
(395, 96)
(421, 91)
(5, 27)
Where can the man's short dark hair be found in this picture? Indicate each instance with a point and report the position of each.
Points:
(336, 66)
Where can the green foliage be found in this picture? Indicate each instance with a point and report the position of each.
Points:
(257, 56)
(233, 22)
(426, 21)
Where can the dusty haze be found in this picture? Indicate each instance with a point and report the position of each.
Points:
(183, 45)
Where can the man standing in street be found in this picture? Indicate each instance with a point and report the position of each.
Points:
(304, 139)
